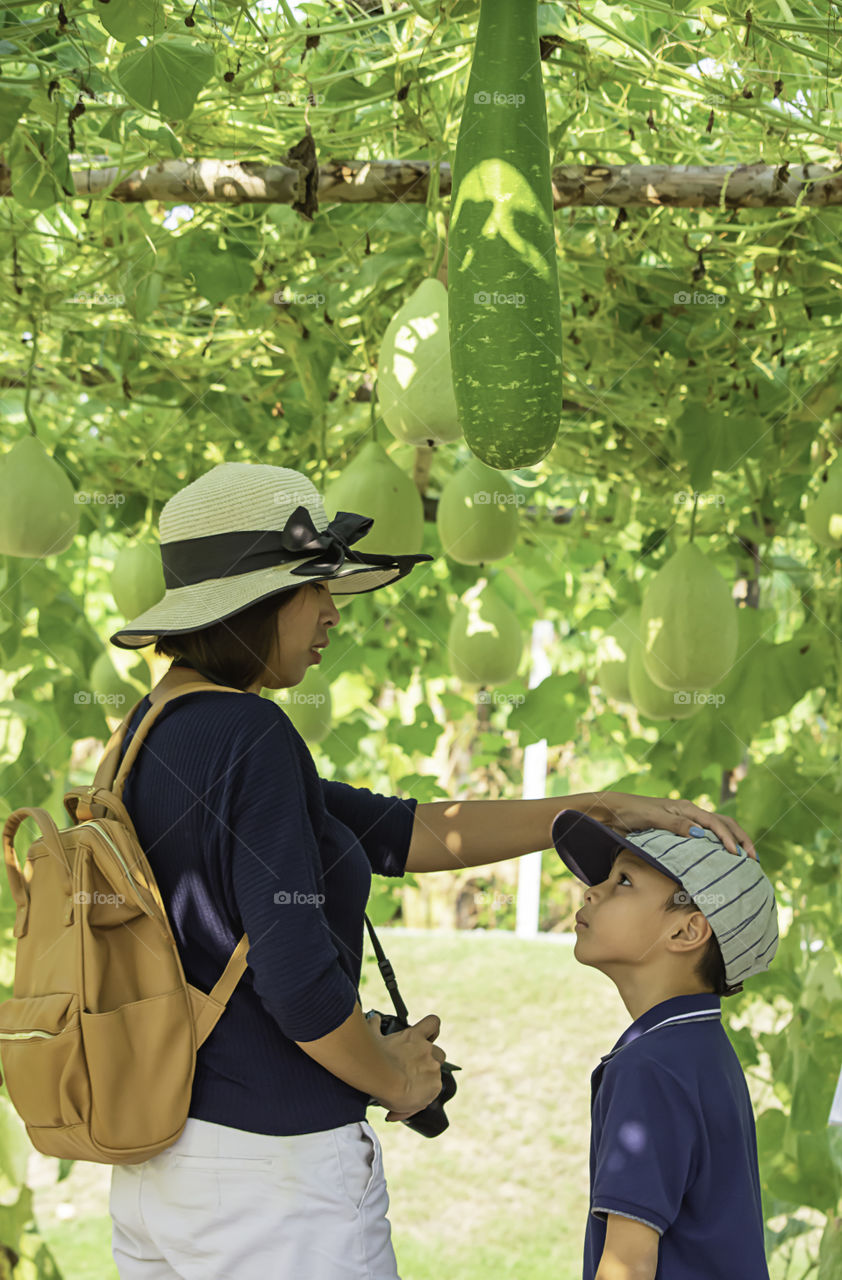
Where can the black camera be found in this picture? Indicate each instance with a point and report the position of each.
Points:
(431, 1121)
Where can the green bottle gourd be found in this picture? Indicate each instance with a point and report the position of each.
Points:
(688, 623)
(612, 655)
(39, 515)
(373, 485)
(484, 641)
(503, 292)
(137, 579)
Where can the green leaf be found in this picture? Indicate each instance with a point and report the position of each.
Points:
(766, 679)
(156, 132)
(219, 273)
(551, 710)
(40, 171)
(812, 1095)
(422, 735)
(709, 736)
(817, 1181)
(779, 806)
(142, 292)
(455, 705)
(384, 900)
(126, 19)
(422, 787)
(342, 745)
(713, 441)
(64, 634)
(798, 665)
(376, 663)
(12, 105)
(170, 71)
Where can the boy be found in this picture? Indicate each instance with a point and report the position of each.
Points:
(676, 922)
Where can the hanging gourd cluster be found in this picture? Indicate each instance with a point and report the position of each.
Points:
(480, 361)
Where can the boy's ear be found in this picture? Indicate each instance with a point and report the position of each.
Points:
(691, 929)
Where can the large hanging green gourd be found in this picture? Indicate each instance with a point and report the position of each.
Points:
(373, 485)
(650, 699)
(414, 378)
(476, 516)
(505, 315)
(612, 655)
(484, 641)
(688, 623)
(39, 515)
(137, 579)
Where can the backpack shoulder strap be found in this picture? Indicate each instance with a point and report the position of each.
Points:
(81, 806)
(207, 1009)
(109, 762)
(80, 801)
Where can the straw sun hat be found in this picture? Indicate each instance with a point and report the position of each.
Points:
(240, 533)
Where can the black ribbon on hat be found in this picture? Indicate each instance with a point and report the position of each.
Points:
(224, 555)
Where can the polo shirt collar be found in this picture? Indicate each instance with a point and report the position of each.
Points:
(673, 1012)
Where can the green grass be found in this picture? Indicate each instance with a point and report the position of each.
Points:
(504, 1191)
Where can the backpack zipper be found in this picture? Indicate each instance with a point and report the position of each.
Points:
(92, 822)
(28, 1035)
(31, 1035)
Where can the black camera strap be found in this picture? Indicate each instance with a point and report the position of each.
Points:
(388, 974)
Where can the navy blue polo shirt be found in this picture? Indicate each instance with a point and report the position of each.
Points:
(243, 836)
(673, 1145)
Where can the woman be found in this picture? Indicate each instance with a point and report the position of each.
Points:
(277, 1173)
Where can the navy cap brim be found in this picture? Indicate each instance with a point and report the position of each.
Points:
(587, 847)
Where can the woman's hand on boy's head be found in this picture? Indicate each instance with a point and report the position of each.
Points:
(627, 813)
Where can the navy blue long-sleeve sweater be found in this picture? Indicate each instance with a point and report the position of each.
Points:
(243, 836)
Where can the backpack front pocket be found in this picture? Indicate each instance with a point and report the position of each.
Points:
(41, 1055)
(141, 1058)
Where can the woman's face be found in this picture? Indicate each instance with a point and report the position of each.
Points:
(301, 624)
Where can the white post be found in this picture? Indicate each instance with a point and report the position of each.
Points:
(534, 788)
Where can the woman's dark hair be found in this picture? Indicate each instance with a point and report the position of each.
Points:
(237, 650)
(711, 967)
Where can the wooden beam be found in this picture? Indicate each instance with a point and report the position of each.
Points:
(384, 181)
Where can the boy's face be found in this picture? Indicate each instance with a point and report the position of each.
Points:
(622, 923)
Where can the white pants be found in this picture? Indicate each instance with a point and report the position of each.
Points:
(226, 1204)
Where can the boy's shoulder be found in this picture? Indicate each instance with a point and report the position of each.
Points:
(685, 1056)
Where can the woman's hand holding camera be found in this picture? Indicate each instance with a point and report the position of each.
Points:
(401, 1070)
(418, 1061)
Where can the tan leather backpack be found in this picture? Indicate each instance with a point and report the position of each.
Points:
(98, 1042)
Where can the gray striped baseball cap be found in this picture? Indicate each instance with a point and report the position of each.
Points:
(730, 889)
